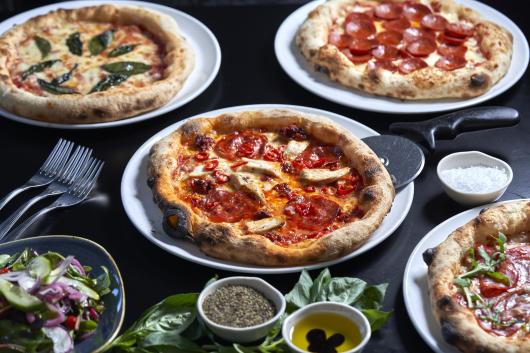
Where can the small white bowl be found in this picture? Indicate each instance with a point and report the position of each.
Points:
(243, 334)
(328, 307)
(470, 159)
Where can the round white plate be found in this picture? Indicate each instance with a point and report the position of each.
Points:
(297, 67)
(201, 39)
(417, 300)
(138, 202)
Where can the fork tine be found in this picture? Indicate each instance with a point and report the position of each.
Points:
(72, 160)
(91, 182)
(59, 163)
(79, 166)
(53, 154)
(83, 175)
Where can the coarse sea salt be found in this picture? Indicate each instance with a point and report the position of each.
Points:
(475, 179)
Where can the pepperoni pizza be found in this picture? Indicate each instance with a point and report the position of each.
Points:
(92, 64)
(426, 49)
(269, 187)
(479, 282)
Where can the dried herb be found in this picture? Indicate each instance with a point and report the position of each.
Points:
(124, 49)
(101, 42)
(74, 43)
(64, 77)
(55, 89)
(127, 68)
(108, 82)
(38, 68)
(43, 45)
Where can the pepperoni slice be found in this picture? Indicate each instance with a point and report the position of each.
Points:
(319, 156)
(413, 34)
(421, 47)
(388, 10)
(356, 59)
(398, 25)
(415, 11)
(386, 52)
(434, 22)
(444, 38)
(459, 30)
(360, 46)
(409, 65)
(358, 16)
(383, 64)
(245, 144)
(389, 37)
(339, 40)
(359, 28)
(450, 62)
(456, 50)
(312, 213)
(225, 206)
(490, 288)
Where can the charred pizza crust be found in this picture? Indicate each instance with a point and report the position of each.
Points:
(459, 325)
(114, 104)
(225, 240)
(427, 83)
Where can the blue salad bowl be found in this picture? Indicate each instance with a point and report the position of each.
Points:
(94, 255)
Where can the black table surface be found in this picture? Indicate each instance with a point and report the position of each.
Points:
(251, 74)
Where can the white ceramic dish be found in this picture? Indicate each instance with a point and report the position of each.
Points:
(246, 334)
(302, 73)
(138, 202)
(328, 307)
(469, 159)
(415, 281)
(201, 39)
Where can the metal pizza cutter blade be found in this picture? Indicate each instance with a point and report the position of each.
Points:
(405, 159)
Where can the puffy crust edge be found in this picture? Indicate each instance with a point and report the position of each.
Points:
(428, 83)
(227, 241)
(115, 104)
(458, 324)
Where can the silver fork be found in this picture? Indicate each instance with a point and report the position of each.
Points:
(77, 193)
(48, 171)
(75, 166)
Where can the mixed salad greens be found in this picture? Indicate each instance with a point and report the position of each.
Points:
(48, 302)
(171, 326)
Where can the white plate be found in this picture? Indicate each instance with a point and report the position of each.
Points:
(201, 39)
(415, 280)
(138, 202)
(296, 66)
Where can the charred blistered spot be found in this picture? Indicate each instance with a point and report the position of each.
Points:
(478, 81)
(100, 113)
(175, 223)
(450, 333)
(445, 303)
(483, 210)
(428, 256)
(322, 69)
(372, 170)
(82, 116)
(151, 181)
(368, 195)
(361, 86)
(373, 77)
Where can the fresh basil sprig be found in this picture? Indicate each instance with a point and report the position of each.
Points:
(43, 45)
(38, 68)
(121, 50)
(100, 42)
(74, 44)
(127, 67)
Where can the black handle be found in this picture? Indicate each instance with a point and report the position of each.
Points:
(450, 125)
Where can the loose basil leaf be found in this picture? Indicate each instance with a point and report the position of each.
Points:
(124, 49)
(372, 297)
(43, 45)
(346, 290)
(55, 89)
(101, 42)
(127, 67)
(376, 318)
(318, 290)
(108, 82)
(300, 294)
(38, 68)
(64, 77)
(74, 43)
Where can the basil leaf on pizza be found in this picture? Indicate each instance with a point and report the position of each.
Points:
(54, 88)
(121, 50)
(38, 68)
(43, 45)
(64, 77)
(74, 44)
(108, 82)
(100, 42)
(127, 68)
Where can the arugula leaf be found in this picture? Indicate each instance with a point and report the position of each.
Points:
(299, 296)
(100, 42)
(43, 45)
(74, 44)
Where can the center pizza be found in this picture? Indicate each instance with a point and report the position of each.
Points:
(427, 49)
(269, 187)
(479, 282)
(92, 64)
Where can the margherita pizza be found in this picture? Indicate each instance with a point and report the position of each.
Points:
(479, 282)
(269, 187)
(426, 49)
(92, 64)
